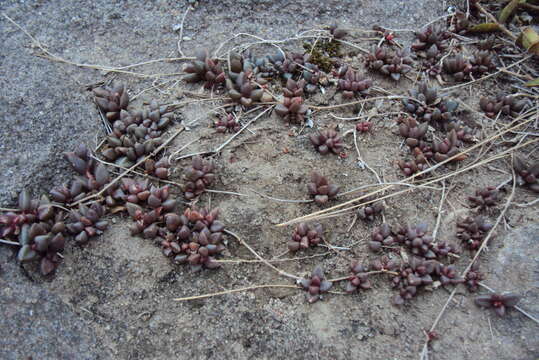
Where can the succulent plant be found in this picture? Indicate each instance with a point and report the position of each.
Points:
(460, 23)
(311, 75)
(146, 221)
(203, 68)
(464, 133)
(157, 168)
(197, 177)
(316, 285)
(292, 64)
(448, 274)
(95, 174)
(262, 67)
(364, 126)
(498, 302)
(197, 238)
(358, 280)
(292, 108)
(486, 44)
(508, 105)
(305, 236)
(390, 64)
(228, 124)
(413, 275)
(472, 230)
(384, 263)
(244, 92)
(432, 36)
(321, 189)
(136, 134)
(429, 106)
(416, 238)
(412, 166)
(443, 248)
(473, 277)
(527, 175)
(43, 240)
(352, 83)
(381, 236)
(336, 32)
(327, 141)
(482, 62)
(111, 100)
(86, 222)
(412, 131)
(485, 197)
(447, 148)
(11, 222)
(458, 67)
(370, 211)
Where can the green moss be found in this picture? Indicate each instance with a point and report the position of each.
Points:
(322, 53)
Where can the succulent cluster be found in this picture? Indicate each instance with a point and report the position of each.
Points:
(413, 132)
(484, 198)
(458, 67)
(432, 39)
(498, 302)
(411, 167)
(359, 279)
(459, 23)
(370, 211)
(384, 263)
(390, 64)
(136, 134)
(305, 236)
(311, 76)
(527, 174)
(292, 64)
(203, 68)
(321, 189)
(228, 124)
(412, 276)
(417, 239)
(327, 141)
(292, 108)
(86, 222)
(111, 100)
(448, 274)
(351, 82)
(195, 237)
(447, 148)
(157, 168)
(473, 277)
(464, 133)
(381, 236)
(507, 105)
(198, 177)
(363, 126)
(243, 91)
(428, 106)
(316, 285)
(482, 62)
(472, 230)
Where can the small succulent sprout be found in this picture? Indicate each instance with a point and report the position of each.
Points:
(67, 194)
(464, 133)
(228, 124)
(311, 75)
(364, 126)
(159, 199)
(486, 44)
(158, 169)
(327, 141)
(507, 105)
(443, 248)
(11, 222)
(359, 279)
(448, 274)
(381, 236)
(472, 230)
(86, 222)
(292, 64)
(458, 67)
(412, 131)
(305, 236)
(244, 92)
(136, 191)
(484, 198)
(316, 285)
(336, 32)
(353, 83)
(411, 277)
(473, 277)
(417, 239)
(447, 148)
(498, 302)
(384, 263)
(203, 68)
(111, 100)
(198, 177)
(527, 174)
(262, 67)
(432, 37)
(146, 222)
(390, 64)
(412, 166)
(321, 189)
(460, 23)
(292, 108)
(428, 106)
(482, 62)
(370, 211)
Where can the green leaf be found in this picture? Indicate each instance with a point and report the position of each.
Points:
(529, 40)
(531, 83)
(508, 10)
(485, 28)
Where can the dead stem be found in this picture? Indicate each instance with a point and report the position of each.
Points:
(254, 287)
(367, 273)
(280, 200)
(7, 242)
(239, 261)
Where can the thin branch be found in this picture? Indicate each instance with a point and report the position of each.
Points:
(254, 287)
(281, 200)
